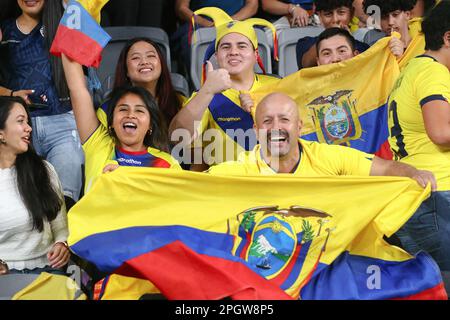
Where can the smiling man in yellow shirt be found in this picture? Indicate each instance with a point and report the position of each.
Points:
(278, 126)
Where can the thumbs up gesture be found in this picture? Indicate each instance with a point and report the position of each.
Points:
(216, 80)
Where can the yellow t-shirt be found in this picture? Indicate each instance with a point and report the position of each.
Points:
(223, 115)
(100, 150)
(422, 80)
(317, 159)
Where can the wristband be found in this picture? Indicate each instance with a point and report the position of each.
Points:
(12, 92)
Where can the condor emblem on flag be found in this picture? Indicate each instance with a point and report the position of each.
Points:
(335, 118)
(79, 36)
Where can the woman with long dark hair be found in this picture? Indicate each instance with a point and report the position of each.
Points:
(142, 63)
(38, 77)
(33, 221)
(135, 132)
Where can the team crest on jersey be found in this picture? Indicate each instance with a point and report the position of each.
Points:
(231, 24)
(276, 241)
(335, 118)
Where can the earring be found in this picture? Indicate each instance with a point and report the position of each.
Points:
(150, 132)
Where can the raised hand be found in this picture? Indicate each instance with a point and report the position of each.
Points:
(216, 80)
(396, 46)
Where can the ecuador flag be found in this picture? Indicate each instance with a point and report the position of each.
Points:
(79, 36)
(202, 236)
(344, 103)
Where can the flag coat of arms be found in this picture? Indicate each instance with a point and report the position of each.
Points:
(204, 236)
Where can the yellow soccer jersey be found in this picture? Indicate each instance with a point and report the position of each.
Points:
(317, 159)
(422, 80)
(232, 127)
(100, 150)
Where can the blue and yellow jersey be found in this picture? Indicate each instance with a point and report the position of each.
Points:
(101, 150)
(233, 127)
(423, 80)
(317, 159)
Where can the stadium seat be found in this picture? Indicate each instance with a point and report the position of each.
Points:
(180, 84)
(202, 38)
(287, 41)
(10, 284)
(373, 36)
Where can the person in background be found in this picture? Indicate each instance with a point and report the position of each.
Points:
(184, 9)
(38, 78)
(33, 220)
(332, 13)
(395, 16)
(419, 122)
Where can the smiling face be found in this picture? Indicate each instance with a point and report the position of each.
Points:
(339, 17)
(143, 64)
(131, 122)
(32, 8)
(16, 133)
(236, 54)
(334, 49)
(278, 125)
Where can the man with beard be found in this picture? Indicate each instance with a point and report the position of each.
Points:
(278, 126)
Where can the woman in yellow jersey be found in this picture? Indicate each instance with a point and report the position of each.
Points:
(135, 133)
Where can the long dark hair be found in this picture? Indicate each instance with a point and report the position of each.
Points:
(166, 95)
(51, 15)
(33, 176)
(159, 137)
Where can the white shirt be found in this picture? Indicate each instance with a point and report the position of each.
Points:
(20, 246)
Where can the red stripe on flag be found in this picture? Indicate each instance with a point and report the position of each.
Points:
(180, 273)
(436, 293)
(77, 46)
(385, 151)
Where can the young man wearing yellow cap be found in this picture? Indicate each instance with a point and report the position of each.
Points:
(218, 115)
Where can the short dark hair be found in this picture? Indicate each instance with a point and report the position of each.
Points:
(435, 25)
(331, 32)
(388, 6)
(159, 137)
(328, 5)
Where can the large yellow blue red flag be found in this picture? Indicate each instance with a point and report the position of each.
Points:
(344, 103)
(204, 236)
